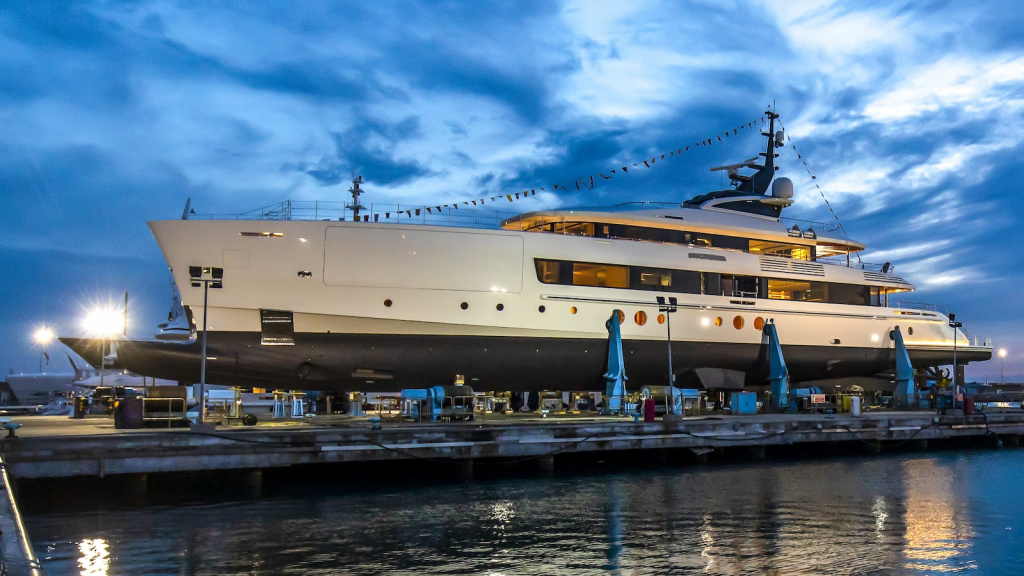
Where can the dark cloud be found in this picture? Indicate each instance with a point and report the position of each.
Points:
(365, 149)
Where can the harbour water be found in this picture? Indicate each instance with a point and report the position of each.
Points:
(909, 513)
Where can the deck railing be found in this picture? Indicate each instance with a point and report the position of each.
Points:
(463, 217)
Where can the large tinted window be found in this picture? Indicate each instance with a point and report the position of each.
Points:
(711, 283)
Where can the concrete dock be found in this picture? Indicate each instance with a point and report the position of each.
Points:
(53, 447)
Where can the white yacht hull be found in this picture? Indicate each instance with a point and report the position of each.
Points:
(385, 306)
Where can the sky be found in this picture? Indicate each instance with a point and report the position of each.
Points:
(908, 115)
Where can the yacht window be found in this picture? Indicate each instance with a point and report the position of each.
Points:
(771, 248)
(548, 271)
(740, 286)
(788, 289)
(278, 328)
(604, 275)
(660, 278)
(574, 228)
(752, 207)
(686, 281)
(878, 296)
(849, 294)
(709, 283)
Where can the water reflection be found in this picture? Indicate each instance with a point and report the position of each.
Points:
(890, 515)
(95, 559)
(938, 538)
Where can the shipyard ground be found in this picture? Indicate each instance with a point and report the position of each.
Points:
(59, 446)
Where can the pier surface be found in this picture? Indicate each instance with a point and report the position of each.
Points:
(57, 446)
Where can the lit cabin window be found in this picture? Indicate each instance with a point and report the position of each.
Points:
(548, 271)
(573, 228)
(789, 289)
(658, 278)
(278, 328)
(710, 283)
(785, 250)
(603, 275)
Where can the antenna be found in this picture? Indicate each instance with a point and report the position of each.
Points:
(356, 192)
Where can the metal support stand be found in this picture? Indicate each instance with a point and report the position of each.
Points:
(279, 404)
(778, 374)
(906, 392)
(615, 377)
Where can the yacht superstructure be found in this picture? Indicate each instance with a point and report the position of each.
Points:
(364, 305)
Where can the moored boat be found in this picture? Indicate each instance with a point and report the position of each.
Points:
(382, 303)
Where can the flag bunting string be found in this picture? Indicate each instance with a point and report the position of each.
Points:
(586, 182)
(814, 180)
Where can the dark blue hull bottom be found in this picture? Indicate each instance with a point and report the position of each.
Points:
(378, 362)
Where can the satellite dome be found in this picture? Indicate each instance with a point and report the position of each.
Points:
(782, 188)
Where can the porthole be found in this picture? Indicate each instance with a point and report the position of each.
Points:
(464, 305)
(387, 303)
(661, 318)
(910, 331)
(500, 307)
(718, 321)
(541, 309)
(758, 323)
(737, 322)
(640, 318)
(572, 310)
(622, 316)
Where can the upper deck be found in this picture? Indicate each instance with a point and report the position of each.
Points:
(769, 237)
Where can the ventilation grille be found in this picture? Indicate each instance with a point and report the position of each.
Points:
(801, 267)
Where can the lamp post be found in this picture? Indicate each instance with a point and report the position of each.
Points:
(43, 336)
(954, 325)
(1002, 354)
(207, 277)
(668, 308)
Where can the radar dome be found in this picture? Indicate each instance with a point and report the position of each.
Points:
(782, 188)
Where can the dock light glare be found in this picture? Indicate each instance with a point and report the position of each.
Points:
(104, 322)
(44, 336)
(1002, 354)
